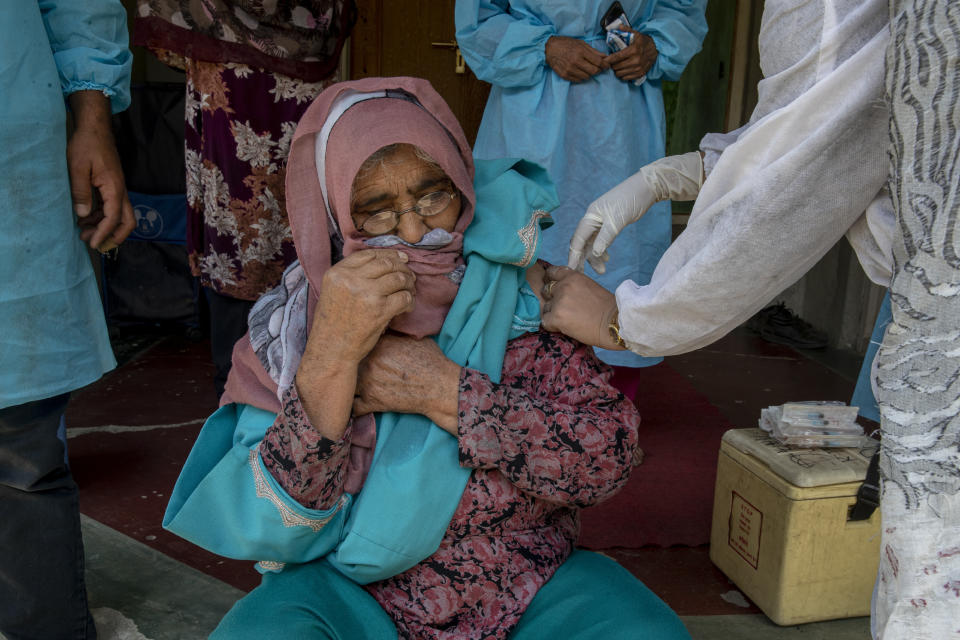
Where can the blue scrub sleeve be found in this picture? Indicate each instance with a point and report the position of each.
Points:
(677, 28)
(89, 42)
(502, 48)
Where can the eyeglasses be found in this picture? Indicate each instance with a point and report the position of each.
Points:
(387, 220)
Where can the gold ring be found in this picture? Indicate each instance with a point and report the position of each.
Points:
(548, 289)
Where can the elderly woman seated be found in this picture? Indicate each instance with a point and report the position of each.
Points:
(400, 446)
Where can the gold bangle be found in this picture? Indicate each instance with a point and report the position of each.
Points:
(614, 329)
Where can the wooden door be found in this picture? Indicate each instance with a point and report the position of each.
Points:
(396, 38)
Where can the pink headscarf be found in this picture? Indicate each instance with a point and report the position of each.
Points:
(360, 131)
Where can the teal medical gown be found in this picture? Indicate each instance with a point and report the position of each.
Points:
(590, 136)
(53, 338)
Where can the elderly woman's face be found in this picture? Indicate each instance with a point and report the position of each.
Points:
(405, 184)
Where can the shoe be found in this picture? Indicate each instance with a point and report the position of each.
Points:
(778, 324)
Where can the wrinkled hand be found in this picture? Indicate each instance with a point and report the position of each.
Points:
(577, 306)
(92, 161)
(572, 59)
(633, 62)
(408, 375)
(359, 297)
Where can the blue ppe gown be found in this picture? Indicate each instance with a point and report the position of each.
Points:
(590, 136)
(54, 338)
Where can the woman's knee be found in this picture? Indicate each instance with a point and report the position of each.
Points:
(311, 601)
(591, 596)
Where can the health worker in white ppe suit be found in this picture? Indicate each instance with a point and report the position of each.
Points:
(778, 194)
(857, 95)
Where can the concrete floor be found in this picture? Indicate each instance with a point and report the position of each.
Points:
(759, 627)
(176, 602)
(137, 593)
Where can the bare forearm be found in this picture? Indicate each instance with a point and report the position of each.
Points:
(326, 393)
(91, 111)
(445, 405)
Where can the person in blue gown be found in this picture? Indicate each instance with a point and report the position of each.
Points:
(54, 338)
(561, 99)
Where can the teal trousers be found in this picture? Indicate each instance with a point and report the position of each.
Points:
(589, 597)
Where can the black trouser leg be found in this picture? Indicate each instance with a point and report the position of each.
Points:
(42, 589)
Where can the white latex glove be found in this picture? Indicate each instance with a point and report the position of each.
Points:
(673, 177)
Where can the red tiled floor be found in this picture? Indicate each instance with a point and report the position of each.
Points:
(126, 478)
(741, 374)
(680, 432)
(169, 383)
(684, 578)
(125, 482)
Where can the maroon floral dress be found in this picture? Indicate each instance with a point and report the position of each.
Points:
(240, 121)
(551, 437)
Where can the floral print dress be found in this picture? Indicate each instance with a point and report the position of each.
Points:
(239, 123)
(551, 437)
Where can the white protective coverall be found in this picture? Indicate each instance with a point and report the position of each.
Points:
(813, 164)
(783, 189)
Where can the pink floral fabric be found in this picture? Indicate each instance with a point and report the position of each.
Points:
(551, 437)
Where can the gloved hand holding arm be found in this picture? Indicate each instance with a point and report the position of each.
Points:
(674, 177)
(579, 307)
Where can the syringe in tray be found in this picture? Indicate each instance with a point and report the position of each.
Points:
(836, 413)
(821, 424)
